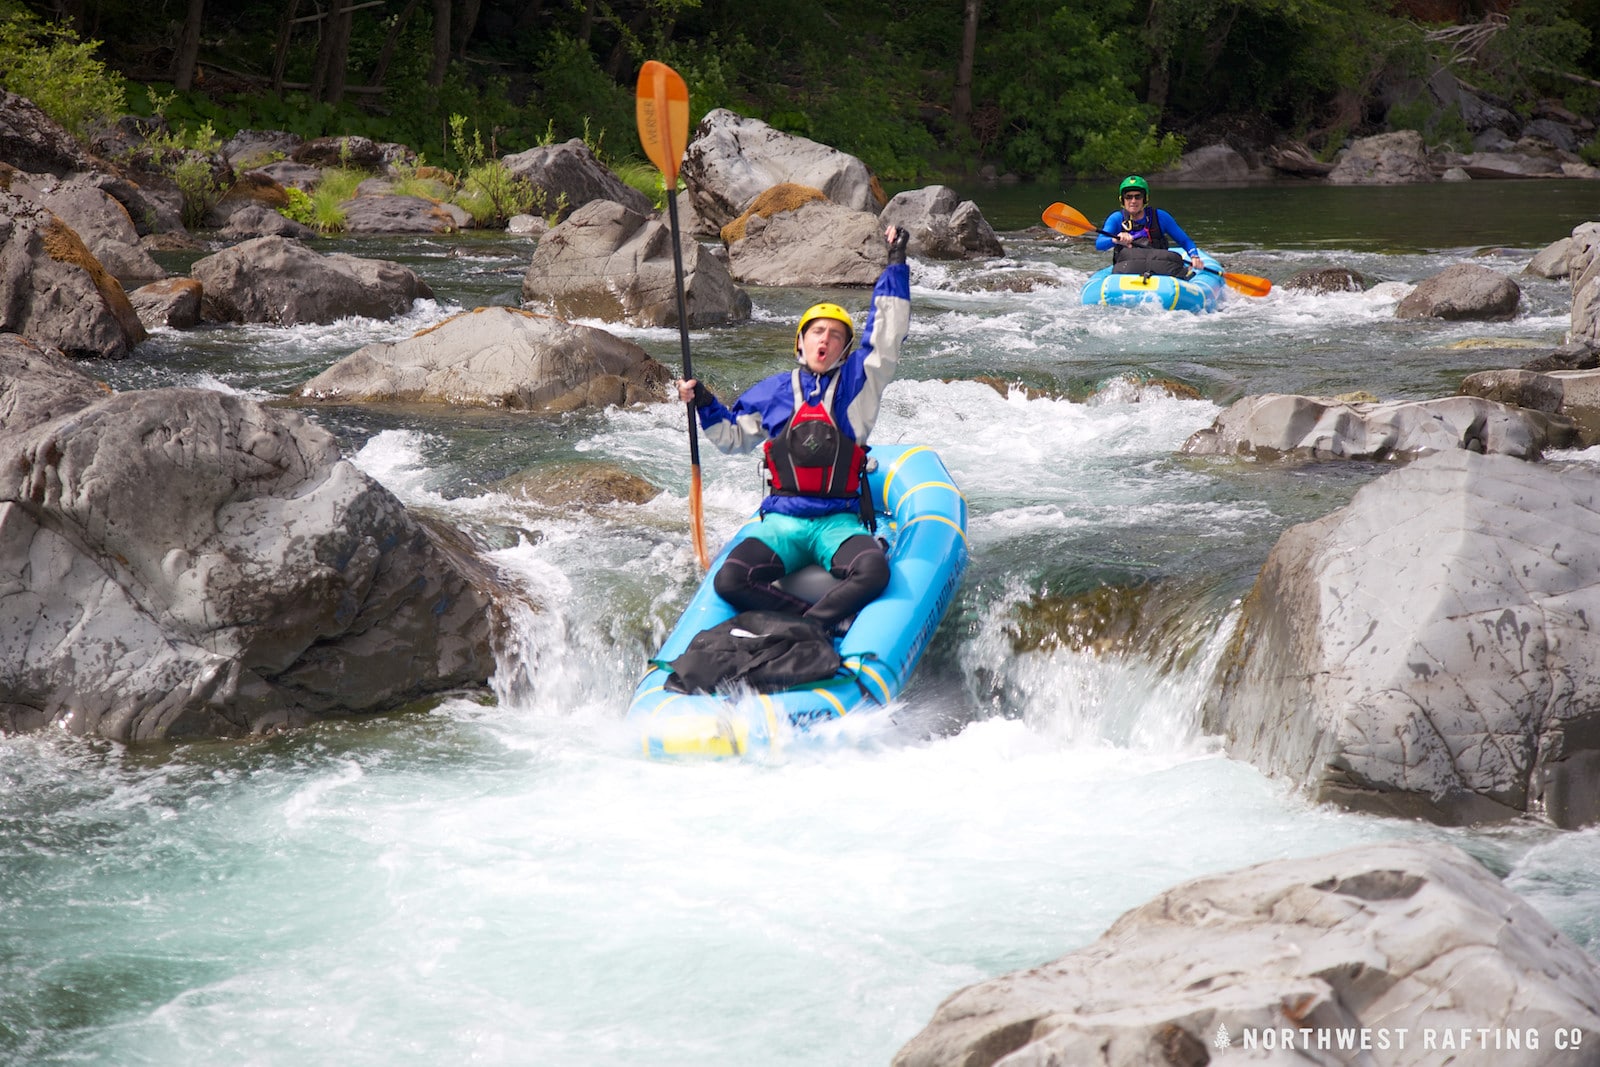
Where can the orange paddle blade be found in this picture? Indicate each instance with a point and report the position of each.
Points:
(697, 517)
(1248, 284)
(1068, 220)
(663, 112)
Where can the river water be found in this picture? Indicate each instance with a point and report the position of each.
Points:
(510, 882)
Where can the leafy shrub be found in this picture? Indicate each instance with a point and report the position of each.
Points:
(1077, 107)
(575, 91)
(196, 179)
(490, 191)
(299, 208)
(1532, 41)
(189, 156)
(47, 64)
(1445, 127)
(1590, 153)
(1125, 147)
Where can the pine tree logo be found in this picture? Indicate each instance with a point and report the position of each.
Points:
(1222, 1041)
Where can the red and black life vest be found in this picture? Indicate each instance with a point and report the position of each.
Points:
(812, 456)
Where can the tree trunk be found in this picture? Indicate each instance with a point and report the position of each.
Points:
(73, 13)
(1158, 75)
(188, 52)
(333, 53)
(319, 62)
(340, 22)
(280, 59)
(586, 25)
(390, 43)
(619, 62)
(441, 43)
(466, 24)
(961, 105)
(528, 17)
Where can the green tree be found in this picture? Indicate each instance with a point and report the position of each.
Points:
(1077, 108)
(49, 65)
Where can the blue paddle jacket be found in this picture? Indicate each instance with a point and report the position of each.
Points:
(763, 410)
(1174, 234)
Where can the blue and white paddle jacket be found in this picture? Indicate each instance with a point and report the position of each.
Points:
(763, 410)
(1170, 233)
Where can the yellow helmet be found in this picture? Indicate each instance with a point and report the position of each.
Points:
(825, 311)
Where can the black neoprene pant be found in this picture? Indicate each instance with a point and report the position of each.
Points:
(746, 576)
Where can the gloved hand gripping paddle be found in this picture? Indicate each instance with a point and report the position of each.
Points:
(897, 247)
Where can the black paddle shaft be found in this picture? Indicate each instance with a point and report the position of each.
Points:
(683, 320)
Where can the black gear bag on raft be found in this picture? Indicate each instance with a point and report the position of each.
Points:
(766, 650)
(1138, 260)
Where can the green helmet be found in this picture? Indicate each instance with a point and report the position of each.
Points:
(1133, 181)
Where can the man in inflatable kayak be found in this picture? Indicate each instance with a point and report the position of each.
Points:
(1144, 235)
(812, 424)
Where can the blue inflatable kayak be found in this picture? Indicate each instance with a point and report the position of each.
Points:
(1199, 293)
(923, 517)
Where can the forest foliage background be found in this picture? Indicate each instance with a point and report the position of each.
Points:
(916, 88)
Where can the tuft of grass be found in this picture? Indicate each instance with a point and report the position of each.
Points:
(647, 179)
(338, 184)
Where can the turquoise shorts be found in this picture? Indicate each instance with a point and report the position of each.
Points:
(799, 542)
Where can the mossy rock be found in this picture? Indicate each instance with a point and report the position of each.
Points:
(1157, 620)
(775, 201)
(580, 485)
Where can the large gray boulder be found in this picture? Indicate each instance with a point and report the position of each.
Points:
(1211, 164)
(1409, 950)
(1429, 649)
(38, 384)
(1584, 268)
(819, 243)
(1326, 280)
(1552, 261)
(34, 142)
(282, 282)
(1284, 426)
(248, 149)
(1572, 394)
(1397, 158)
(100, 220)
(356, 152)
(1478, 112)
(610, 263)
(291, 175)
(941, 224)
(258, 220)
(247, 192)
(1579, 401)
(495, 357)
(568, 176)
(186, 563)
(1462, 291)
(403, 214)
(54, 291)
(1528, 162)
(171, 302)
(731, 160)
